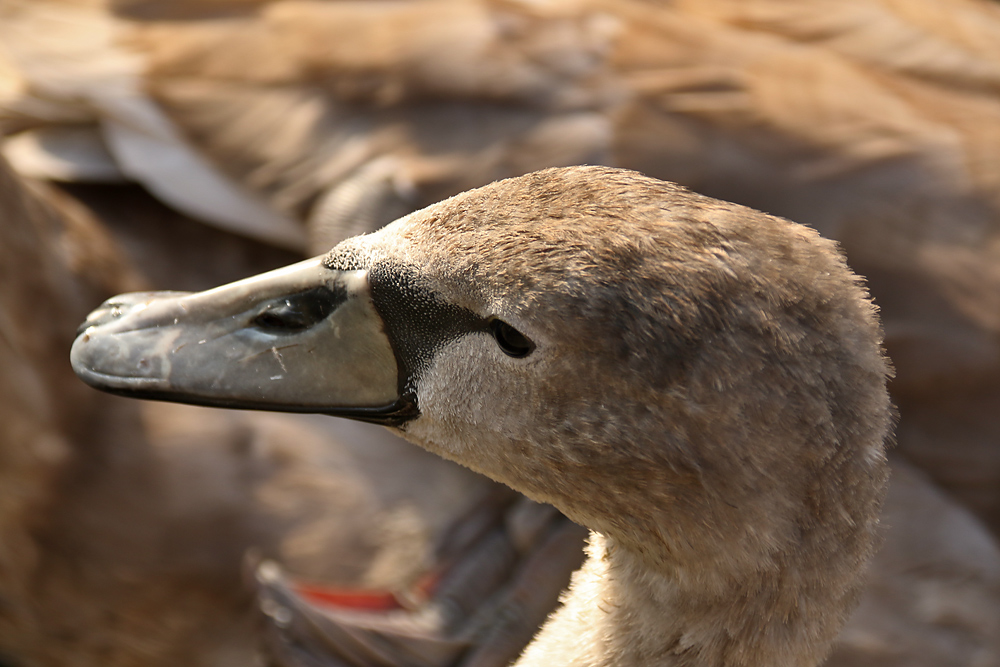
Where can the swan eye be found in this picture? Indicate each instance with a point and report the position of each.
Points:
(511, 341)
(298, 312)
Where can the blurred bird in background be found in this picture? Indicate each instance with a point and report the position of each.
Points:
(300, 123)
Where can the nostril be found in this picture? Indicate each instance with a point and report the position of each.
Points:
(298, 312)
(285, 321)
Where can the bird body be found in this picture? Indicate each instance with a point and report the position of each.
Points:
(700, 384)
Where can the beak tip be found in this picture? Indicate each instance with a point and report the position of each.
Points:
(100, 363)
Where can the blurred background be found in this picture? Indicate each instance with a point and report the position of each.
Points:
(180, 144)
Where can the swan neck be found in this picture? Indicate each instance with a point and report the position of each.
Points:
(620, 611)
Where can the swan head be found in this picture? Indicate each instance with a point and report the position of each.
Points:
(699, 382)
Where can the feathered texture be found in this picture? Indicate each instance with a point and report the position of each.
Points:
(734, 510)
(872, 120)
(924, 607)
(64, 66)
(873, 116)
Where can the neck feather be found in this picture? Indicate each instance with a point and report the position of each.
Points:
(619, 611)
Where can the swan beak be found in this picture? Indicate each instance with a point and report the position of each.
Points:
(304, 338)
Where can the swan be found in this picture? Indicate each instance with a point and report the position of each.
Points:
(700, 384)
(299, 123)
